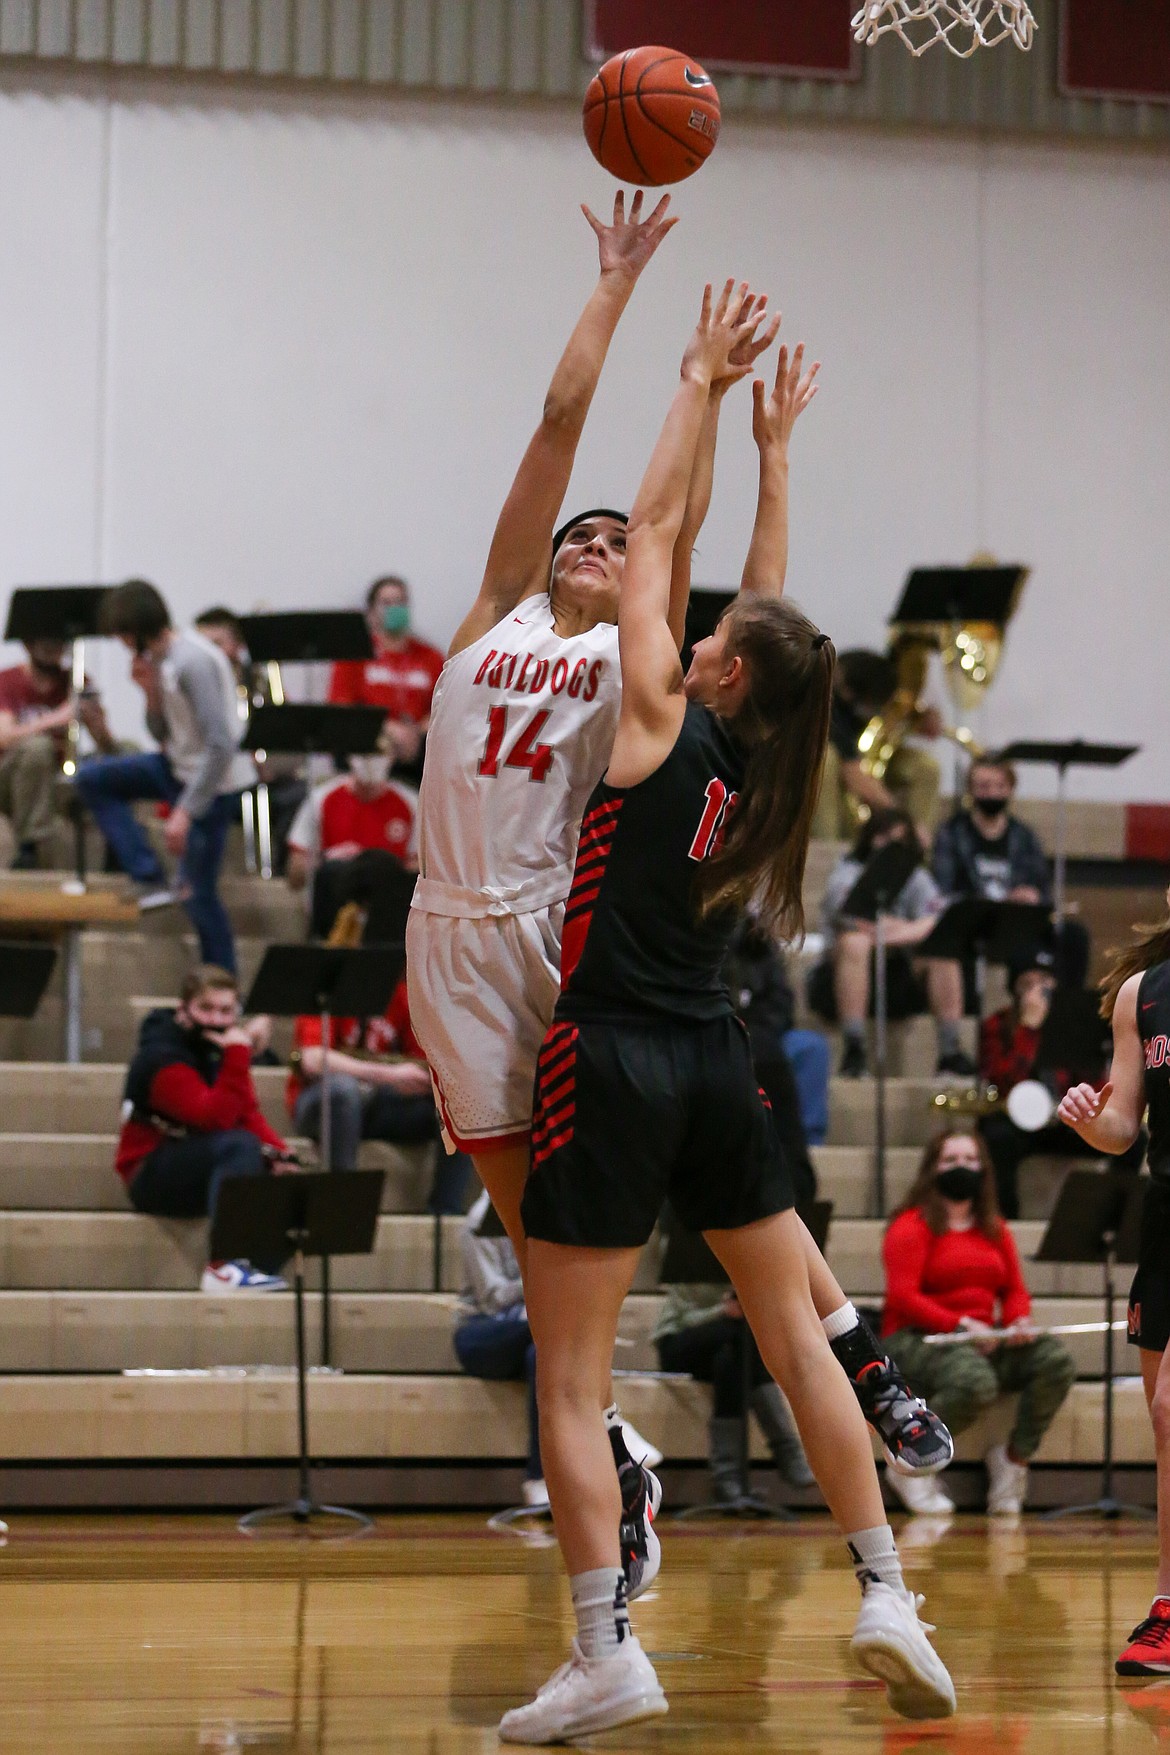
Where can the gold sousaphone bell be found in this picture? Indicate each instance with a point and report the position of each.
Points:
(961, 613)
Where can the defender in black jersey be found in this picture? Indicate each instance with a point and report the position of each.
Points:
(1137, 997)
(645, 1083)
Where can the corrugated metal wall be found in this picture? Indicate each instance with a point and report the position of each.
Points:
(533, 48)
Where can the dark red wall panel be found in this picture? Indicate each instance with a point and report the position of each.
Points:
(1115, 48)
(807, 38)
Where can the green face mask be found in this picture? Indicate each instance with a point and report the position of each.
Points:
(395, 618)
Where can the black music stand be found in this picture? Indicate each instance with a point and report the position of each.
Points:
(68, 613)
(1074, 753)
(306, 636)
(704, 607)
(687, 1260)
(270, 1218)
(294, 980)
(960, 594)
(878, 887)
(1097, 1218)
(976, 931)
(25, 969)
(303, 729)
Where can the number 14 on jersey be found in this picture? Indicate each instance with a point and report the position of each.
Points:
(525, 750)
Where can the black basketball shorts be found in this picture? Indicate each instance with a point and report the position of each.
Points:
(1149, 1296)
(629, 1113)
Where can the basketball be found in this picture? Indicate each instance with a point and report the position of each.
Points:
(651, 116)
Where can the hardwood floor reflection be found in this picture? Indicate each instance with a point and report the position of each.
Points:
(153, 1636)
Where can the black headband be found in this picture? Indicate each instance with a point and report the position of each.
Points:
(560, 534)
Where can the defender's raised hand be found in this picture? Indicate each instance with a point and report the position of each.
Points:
(748, 349)
(774, 416)
(725, 324)
(625, 246)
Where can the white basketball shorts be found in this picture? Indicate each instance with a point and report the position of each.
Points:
(482, 993)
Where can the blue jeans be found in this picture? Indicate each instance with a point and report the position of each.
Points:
(500, 1348)
(181, 1178)
(808, 1054)
(109, 784)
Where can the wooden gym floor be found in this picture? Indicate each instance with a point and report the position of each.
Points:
(163, 1636)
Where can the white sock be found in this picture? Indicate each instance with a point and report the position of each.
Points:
(599, 1603)
(839, 1322)
(875, 1558)
(612, 1416)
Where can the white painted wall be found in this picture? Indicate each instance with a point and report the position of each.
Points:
(262, 349)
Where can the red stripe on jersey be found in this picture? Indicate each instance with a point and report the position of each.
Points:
(546, 1151)
(565, 1092)
(609, 809)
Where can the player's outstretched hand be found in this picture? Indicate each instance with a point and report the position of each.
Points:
(627, 245)
(751, 344)
(1082, 1105)
(725, 324)
(774, 416)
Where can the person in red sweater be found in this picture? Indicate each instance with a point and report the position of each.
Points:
(191, 1118)
(951, 1265)
(400, 677)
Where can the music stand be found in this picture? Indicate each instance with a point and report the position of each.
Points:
(687, 1260)
(878, 887)
(705, 605)
(1074, 753)
(68, 613)
(24, 974)
(304, 730)
(295, 980)
(270, 1218)
(959, 594)
(1097, 1218)
(977, 931)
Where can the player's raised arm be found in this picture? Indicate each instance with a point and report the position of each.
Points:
(742, 360)
(651, 672)
(518, 561)
(773, 418)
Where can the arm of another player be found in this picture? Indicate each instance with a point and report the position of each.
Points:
(703, 470)
(773, 418)
(652, 701)
(518, 561)
(1109, 1119)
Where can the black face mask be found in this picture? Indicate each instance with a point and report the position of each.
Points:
(959, 1183)
(990, 807)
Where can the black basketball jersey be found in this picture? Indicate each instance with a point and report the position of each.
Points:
(633, 940)
(1153, 1018)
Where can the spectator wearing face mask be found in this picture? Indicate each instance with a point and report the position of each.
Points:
(400, 677)
(983, 850)
(191, 1118)
(360, 812)
(36, 705)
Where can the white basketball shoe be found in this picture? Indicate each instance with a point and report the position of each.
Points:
(890, 1642)
(587, 1695)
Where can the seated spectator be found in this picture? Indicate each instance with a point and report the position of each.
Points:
(840, 988)
(36, 705)
(951, 1264)
(280, 774)
(864, 683)
(492, 1338)
(1009, 1051)
(701, 1331)
(379, 1085)
(765, 1005)
(362, 811)
(199, 771)
(983, 850)
(191, 1118)
(400, 677)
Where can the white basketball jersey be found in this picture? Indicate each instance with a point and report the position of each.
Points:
(522, 725)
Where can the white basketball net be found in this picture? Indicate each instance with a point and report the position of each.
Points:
(963, 25)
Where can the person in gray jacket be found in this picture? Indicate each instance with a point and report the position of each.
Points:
(199, 770)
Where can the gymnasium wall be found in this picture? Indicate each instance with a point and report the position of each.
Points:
(260, 349)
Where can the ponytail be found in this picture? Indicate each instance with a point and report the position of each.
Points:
(1152, 945)
(784, 724)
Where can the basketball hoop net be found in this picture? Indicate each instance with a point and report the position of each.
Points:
(963, 25)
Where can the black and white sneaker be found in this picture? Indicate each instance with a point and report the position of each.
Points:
(914, 1440)
(641, 1550)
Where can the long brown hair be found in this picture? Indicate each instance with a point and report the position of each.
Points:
(784, 722)
(924, 1192)
(1151, 945)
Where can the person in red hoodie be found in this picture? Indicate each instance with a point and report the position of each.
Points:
(191, 1118)
(951, 1265)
